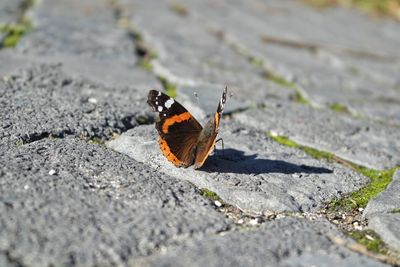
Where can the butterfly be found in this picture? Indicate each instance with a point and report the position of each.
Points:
(183, 141)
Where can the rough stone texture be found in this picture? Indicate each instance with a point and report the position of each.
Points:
(383, 213)
(264, 247)
(86, 29)
(316, 50)
(42, 101)
(99, 208)
(68, 201)
(108, 72)
(367, 143)
(256, 174)
(192, 55)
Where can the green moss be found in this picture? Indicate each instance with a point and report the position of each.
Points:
(13, 32)
(142, 50)
(179, 9)
(370, 240)
(19, 143)
(379, 7)
(299, 98)
(256, 61)
(395, 211)
(284, 140)
(337, 107)
(210, 195)
(142, 120)
(310, 151)
(278, 79)
(359, 199)
(169, 87)
(145, 64)
(97, 141)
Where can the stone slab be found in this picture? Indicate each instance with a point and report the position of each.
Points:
(357, 66)
(371, 144)
(255, 173)
(66, 202)
(283, 242)
(107, 72)
(85, 29)
(44, 101)
(192, 55)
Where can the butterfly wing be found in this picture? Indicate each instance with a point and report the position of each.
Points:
(178, 129)
(209, 134)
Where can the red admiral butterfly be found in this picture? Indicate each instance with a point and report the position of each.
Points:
(183, 140)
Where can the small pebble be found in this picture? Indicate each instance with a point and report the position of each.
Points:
(369, 237)
(217, 203)
(92, 100)
(240, 221)
(273, 133)
(254, 221)
(26, 187)
(52, 172)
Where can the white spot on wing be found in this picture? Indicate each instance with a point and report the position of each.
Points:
(169, 103)
(156, 102)
(159, 93)
(160, 108)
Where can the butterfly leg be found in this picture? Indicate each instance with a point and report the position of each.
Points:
(222, 141)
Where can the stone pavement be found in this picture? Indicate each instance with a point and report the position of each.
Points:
(314, 117)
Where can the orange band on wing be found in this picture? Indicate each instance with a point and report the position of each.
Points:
(175, 119)
(216, 119)
(168, 153)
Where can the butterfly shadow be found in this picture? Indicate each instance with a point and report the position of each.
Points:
(235, 161)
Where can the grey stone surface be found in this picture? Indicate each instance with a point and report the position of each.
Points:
(387, 226)
(255, 174)
(43, 101)
(383, 213)
(9, 11)
(192, 55)
(66, 202)
(317, 50)
(370, 144)
(86, 29)
(277, 243)
(108, 72)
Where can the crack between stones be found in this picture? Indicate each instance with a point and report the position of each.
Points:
(314, 48)
(339, 211)
(300, 96)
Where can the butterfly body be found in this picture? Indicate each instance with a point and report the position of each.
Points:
(183, 141)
